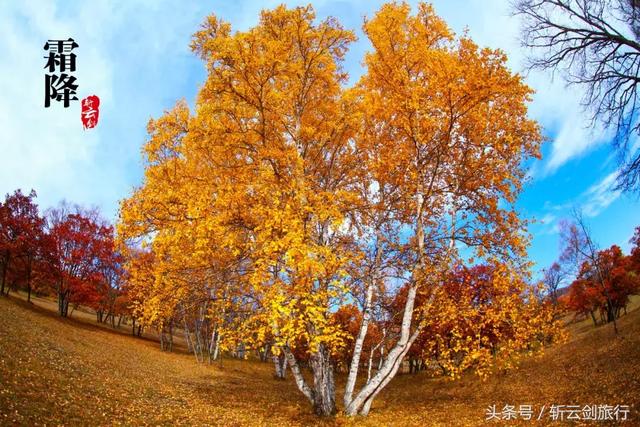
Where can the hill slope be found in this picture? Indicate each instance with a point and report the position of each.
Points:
(64, 371)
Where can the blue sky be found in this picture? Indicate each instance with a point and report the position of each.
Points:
(135, 56)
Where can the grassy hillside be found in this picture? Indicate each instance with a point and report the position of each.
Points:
(73, 372)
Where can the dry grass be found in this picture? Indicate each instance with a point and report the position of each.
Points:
(74, 372)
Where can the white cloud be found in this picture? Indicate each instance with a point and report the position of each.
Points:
(45, 149)
(592, 202)
(548, 218)
(600, 195)
(133, 55)
(572, 139)
(547, 225)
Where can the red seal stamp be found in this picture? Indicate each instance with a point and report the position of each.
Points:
(90, 111)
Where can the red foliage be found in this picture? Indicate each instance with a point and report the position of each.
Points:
(349, 318)
(84, 265)
(614, 277)
(21, 238)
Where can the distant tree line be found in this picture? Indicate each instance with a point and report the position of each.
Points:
(68, 252)
(603, 279)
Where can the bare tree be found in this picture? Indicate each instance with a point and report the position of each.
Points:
(552, 279)
(578, 248)
(596, 44)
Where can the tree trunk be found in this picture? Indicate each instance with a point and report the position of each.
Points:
(63, 299)
(611, 314)
(213, 350)
(324, 401)
(297, 375)
(384, 336)
(361, 403)
(593, 317)
(197, 342)
(191, 346)
(357, 349)
(264, 353)
(29, 281)
(362, 333)
(216, 347)
(371, 353)
(61, 304)
(280, 363)
(5, 266)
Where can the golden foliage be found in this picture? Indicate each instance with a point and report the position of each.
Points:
(267, 198)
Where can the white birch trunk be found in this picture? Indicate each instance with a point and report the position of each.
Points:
(297, 375)
(361, 403)
(357, 350)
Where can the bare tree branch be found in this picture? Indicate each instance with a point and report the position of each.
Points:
(595, 44)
